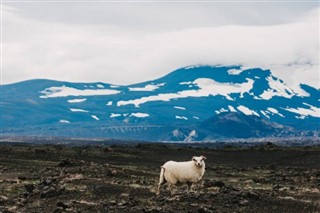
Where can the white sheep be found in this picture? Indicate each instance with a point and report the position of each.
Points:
(187, 172)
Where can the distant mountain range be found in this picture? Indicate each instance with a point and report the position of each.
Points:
(196, 103)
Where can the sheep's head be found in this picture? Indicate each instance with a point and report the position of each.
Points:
(198, 161)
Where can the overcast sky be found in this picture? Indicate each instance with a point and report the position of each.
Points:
(125, 43)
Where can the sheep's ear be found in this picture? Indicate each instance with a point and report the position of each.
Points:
(203, 157)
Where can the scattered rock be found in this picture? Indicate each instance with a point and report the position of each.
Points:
(124, 195)
(65, 162)
(93, 164)
(12, 181)
(48, 181)
(204, 210)
(229, 190)
(114, 172)
(259, 180)
(20, 201)
(122, 203)
(22, 178)
(58, 210)
(243, 202)
(29, 188)
(210, 183)
(271, 167)
(282, 189)
(120, 182)
(3, 199)
(194, 204)
(51, 192)
(276, 187)
(112, 202)
(62, 205)
(108, 149)
(72, 177)
(253, 195)
(40, 151)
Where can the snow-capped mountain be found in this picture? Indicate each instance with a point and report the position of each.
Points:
(191, 103)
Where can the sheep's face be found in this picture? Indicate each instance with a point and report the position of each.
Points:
(199, 161)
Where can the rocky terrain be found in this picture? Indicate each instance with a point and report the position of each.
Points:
(114, 178)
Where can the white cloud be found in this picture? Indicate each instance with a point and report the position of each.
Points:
(118, 54)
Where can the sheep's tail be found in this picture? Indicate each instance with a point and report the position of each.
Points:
(161, 179)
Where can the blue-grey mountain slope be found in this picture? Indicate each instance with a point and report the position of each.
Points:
(191, 103)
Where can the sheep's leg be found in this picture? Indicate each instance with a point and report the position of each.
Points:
(159, 186)
(189, 186)
(171, 189)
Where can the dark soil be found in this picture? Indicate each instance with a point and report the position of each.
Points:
(56, 178)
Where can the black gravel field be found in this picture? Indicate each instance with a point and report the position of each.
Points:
(123, 178)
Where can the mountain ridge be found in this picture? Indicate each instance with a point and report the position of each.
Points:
(175, 102)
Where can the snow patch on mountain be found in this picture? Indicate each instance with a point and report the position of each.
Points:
(95, 117)
(139, 115)
(191, 67)
(235, 71)
(210, 87)
(78, 110)
(181, 117)
(274, 111)
(191, 135)
(77, 100)
(100, 86)
(65, 91)
(114, 115)
(232, 109)
(64, 121)
(176, 133)
(300, 117)
(265, 113)
(206, 87)
(178, 107)
(186, 83)
(247, 111)
(221, 110)
(278, 88)
(312, 111)
(149, 87)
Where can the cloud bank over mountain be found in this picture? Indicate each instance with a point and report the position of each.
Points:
(129, 43)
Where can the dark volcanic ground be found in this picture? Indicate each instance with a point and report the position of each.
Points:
(104, 178)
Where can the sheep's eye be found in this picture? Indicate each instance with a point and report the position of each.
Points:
(194, 159)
